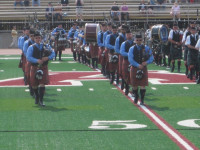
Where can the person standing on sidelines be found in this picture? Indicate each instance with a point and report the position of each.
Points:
(14, 36)
(139, 56)
(39, 76)
(124, 49)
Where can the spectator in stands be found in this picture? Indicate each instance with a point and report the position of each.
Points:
(149, 8)
(49, 11)
(115, 12)
(124, 11)
(175, 11)
(64, 2)
(35, 2)
(14, 36)
(161, 4)
(142, 7)
(58, 11)
(79, 9)
(18, 2)
(26, 3)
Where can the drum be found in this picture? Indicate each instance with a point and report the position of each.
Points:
(91, 31)
(62, 42)
(160, 33)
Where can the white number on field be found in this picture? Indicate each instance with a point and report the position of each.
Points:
(190, 123)
(124, 124)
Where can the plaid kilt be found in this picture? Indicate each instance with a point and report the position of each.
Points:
(137, 82)
(100, 57)
(107, 59)
(94, 50)
(192, 57)
(113, 66)
(45, 78)
(27, 71)
(120, 65)
(72, 45)
(23, 62)
(125, 72)
(175, 53)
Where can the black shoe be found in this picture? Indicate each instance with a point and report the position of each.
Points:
(141, 103)
(172, 69)
(36, 100)
(41, 103)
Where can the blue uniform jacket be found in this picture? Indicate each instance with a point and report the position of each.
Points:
(104, 37)
(26, 46)
(56, 30)
(107, 42)
(122, 48)
(117, 46)
(30, 53)
(131, 56)
(99, 42)
(22, 40)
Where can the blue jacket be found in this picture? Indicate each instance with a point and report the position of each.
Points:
(107, 42)
(131, 55)
(30, 57)
(117, 43)
(123, 50)
(25, 48)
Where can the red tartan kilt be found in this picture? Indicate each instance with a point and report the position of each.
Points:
(125, 72)
(71, 45)
(113, 66)
(94, 50)
(45, 78)
(99, 55)
(120, 65)
(23, 62)
(136, 82)
(27, 71)
(106, 59)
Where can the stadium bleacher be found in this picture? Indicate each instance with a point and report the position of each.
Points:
(94, 10)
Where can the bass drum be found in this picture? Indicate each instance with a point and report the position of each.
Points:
(91, 31)
(160, 33)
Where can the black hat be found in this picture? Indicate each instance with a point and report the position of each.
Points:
(37, 33)
(138, 36)
(128, 31)
(103, 24)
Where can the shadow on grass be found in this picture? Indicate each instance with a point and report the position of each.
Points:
(51, 108)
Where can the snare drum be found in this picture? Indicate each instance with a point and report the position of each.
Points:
(91, 32)
(62, 42)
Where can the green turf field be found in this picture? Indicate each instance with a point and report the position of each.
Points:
(94, 116)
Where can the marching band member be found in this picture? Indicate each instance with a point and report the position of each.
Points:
(56, 33)
(39, 76)
(71, 38)
(175, 50)
(28, 43)
(120, 39)
(101, 47)
(110, 45)
(192, 57)
(108, 32)
(125, 63)
(139, 56)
